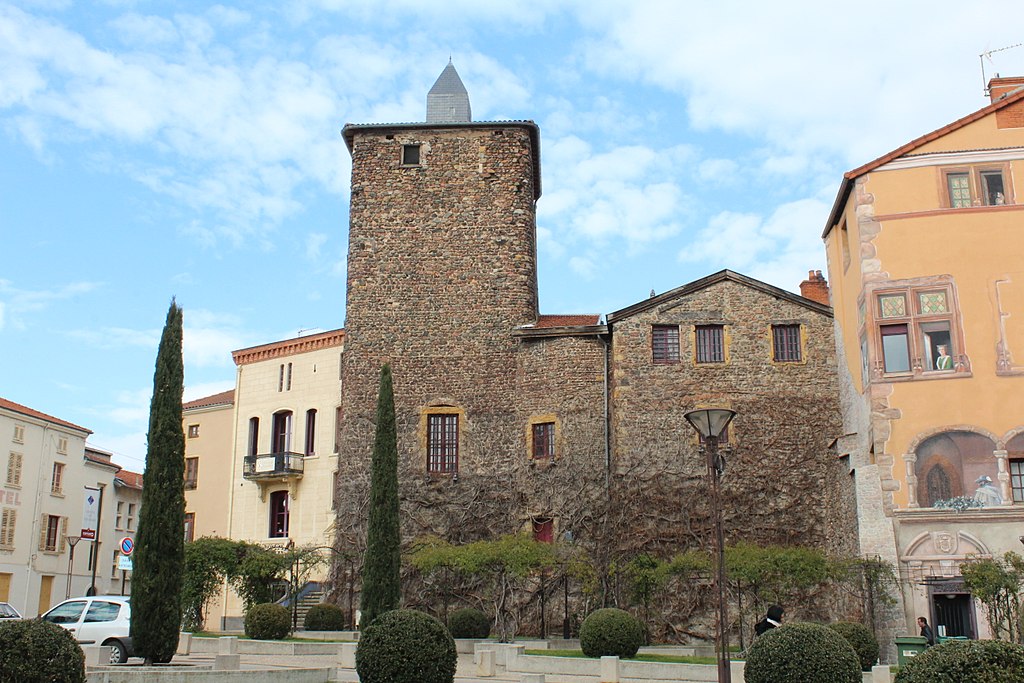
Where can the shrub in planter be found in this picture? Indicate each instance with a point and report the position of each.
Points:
(406, 646)
(469, 623)
(37, 651)
(325, 617)
(611, 632)
(966, 661)
(268, 621)
(862, 639)
(802, 653)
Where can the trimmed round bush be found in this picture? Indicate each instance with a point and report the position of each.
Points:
(268, 621)
(862, 639)
(325, 617)
(966, 661)
(469, 623)
(611, 632)
(37, 651)
(406, 646)
(802, 653)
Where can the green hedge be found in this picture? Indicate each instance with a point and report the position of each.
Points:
(469, 623)
(37, 651)
(325, 617)
(862, 639)
(802, 653)
(405, 646)
(966, 661)
(268, 621)
(611, 632)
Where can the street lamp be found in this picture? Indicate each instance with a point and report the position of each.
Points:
(72, 541)
(710, 422)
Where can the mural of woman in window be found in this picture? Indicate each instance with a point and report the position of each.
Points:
(943, 361)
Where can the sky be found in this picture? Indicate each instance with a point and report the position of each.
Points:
(151, 150)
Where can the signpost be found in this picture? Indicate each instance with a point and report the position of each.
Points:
(124, 560)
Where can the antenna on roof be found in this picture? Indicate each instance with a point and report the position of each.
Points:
(987, 54)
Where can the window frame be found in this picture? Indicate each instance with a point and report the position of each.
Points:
(976, 185)
(405, 154)
(193, 431)
(665, 349)
(190, 527)
(279, 516)
(191, 467)
(57, 479)
(310, 446)
(716, 354)
(543, 441)
(442, 455)
(788, 345)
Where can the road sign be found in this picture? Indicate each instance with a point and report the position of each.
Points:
(127, 546)
(124, 563)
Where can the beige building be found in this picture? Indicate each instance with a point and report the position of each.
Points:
(924, 248)
(261, 460)
(42, 504)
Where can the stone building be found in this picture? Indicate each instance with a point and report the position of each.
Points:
(509, 419)
(924, 249)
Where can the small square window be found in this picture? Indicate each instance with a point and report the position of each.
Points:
(710, 343)
(62, 445)
(19, 433)
(665, 343)
(410, 155)
(193, 431)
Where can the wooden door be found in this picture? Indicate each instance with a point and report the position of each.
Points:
(45, 593)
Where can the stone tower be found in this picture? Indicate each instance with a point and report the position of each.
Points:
(441, 271)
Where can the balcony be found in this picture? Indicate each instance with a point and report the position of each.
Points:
(273, 466)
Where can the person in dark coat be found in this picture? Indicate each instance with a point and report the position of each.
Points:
(926, 630)
(771, 620)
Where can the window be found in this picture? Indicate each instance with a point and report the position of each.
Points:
(190, 526)
(977, 186)
(543, 441)
(254, 435)
(131, 516)
(19, 433)
(281, 432)
(786, 343)
(280, 378)
(937, 485)
(334, 490)
(14, 469)
(7, 521)
(288, 379)
(410, 155)
(67, 613)
(62, 445)
(119, 519)
(916, 329)
(193, 431)
(443, 443)
(279, 514)
(310, 431)
(191, 473)
(543, 529)
(1016, 482)
(57, 479)
(100, 611)
(710, 343)
(52, 533)
(665, 343)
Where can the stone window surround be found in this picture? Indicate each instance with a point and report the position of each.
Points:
(665, 341)
(873, 323)
(441, 408)
(801, 330)
(726, 338)
(545, 418)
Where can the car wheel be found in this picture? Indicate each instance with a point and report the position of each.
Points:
(118, 652)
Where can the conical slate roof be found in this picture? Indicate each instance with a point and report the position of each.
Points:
(448, 100)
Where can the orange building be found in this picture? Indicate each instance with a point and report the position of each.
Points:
(924, 256)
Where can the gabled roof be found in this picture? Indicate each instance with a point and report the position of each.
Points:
(850, 176)
(225, 398)
(705, 282)
(29, 412)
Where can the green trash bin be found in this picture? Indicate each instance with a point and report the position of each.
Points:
(908, 647)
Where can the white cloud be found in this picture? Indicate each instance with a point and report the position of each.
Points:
(17, 305)
(314, 242)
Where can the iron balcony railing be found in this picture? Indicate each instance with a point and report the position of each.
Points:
(272, 465)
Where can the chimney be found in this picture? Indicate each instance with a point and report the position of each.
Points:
(815, 288)
(998, 88)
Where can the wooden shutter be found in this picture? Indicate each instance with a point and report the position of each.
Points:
(63, 534)
(14, 469)
(44, 523)
(10, 516)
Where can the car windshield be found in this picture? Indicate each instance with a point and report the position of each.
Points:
(66, 613)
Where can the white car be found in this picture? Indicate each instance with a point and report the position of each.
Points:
(97, 620)
(8, 612)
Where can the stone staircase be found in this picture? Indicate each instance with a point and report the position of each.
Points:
(308, 600)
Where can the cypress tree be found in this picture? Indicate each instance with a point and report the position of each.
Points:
(381, 563)
(159, 557)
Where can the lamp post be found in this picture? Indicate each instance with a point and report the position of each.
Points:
(710, 422)
(72, 541)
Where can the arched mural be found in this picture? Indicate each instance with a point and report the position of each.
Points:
(957, 463)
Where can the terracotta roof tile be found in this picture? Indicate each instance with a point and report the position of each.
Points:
(29, 412)
(566, 320)
(130, 479)
(224, 397)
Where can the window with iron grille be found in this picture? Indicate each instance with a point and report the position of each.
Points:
(544, 441)
(665, 343)
(786, 343)
(710, 344)
(443, 443)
